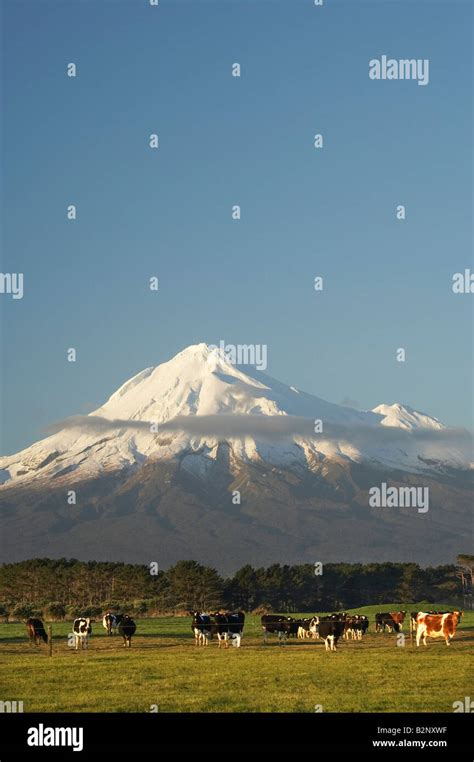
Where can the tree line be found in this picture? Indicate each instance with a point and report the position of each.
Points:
(60, 588)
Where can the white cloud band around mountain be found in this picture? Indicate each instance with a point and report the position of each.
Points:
(279, 427)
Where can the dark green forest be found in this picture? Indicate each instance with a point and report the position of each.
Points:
(63, 588)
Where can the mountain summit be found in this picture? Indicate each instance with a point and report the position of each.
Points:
(200, 458)
(199, 381)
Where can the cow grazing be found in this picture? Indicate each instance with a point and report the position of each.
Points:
(437, 626)
(330, 630)
(82, 630)
(36, 631)
(126, 628)
(275, 623)
(111, 622)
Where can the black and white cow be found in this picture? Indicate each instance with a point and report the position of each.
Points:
(349, 628)
(126, 628)
(82, 629)
(330, 630)
(203, 628)
(111, 622)
(307, 627)
(355, 626)
(313, 627)
(278, 624)
(230, 626)
(303, 628)
(36, 631)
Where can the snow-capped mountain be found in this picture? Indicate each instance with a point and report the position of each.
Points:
(155, 471)
(200, 382)
(405, 417)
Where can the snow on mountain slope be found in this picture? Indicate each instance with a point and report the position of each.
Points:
(405, 417)
(200, 382)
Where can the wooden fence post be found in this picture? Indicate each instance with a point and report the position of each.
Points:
(50, 640)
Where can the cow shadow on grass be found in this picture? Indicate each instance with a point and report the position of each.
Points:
(17, 639)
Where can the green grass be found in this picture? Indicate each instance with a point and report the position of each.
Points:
(163, 667)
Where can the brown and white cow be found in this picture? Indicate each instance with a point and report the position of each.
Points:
(437, 626)
(398, 617)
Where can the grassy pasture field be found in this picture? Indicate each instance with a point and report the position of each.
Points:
(164, 668)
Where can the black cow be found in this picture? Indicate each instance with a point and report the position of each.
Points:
(126, 628)
(295, 625)
(330, 630)
(36, 631)
(276, 623)
(364, 624)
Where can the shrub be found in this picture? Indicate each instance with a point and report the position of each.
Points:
(94, 612)
(262, 610)
(74, 612)
(140, 607)
(25, 611)
(55, 611)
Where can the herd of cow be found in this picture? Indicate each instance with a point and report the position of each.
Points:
(82, 629)
(329, 628)
(229, 627)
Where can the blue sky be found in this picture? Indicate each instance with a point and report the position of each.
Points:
(225, 141)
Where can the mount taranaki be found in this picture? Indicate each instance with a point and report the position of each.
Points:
(168, 491)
